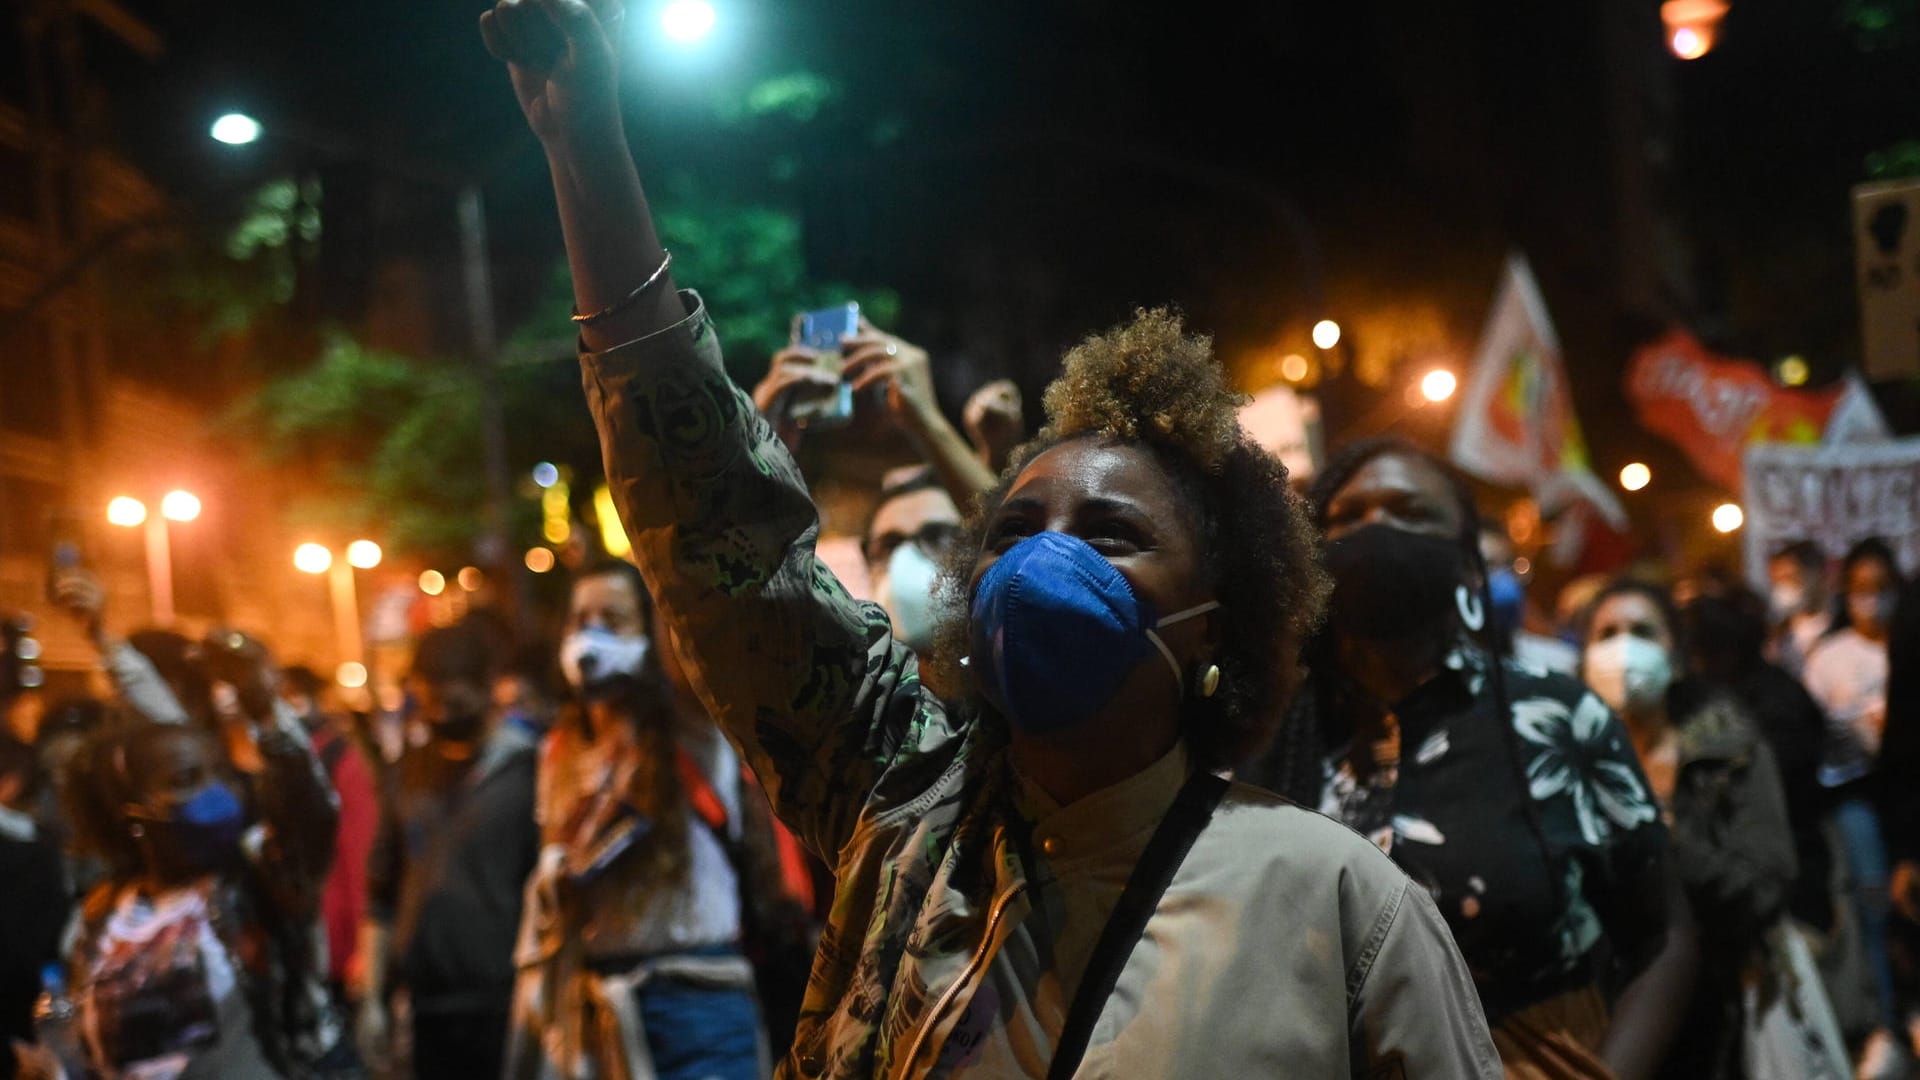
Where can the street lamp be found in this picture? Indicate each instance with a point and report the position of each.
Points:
(318, 559)
(175, 506)
(236, 129)
(1728, 517)
(1326, 334)
(1438, 385)
(1635, 476)
(687, 21)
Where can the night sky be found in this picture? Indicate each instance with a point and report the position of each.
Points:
(1024, 173)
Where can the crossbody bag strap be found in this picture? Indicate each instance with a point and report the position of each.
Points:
(1172, 839)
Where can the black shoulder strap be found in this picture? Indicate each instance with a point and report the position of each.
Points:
(1174, 837)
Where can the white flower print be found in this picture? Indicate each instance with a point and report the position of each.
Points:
(1579, 756)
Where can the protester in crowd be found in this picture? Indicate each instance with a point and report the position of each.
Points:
(34, 900)
(898, 372)
(1136, 598)
(451, 857)
(1726, 638)
(1899, 796)
(1713, 777)
(343, 904)
(1798, 603)
(1507, 610)
(995, 420)
(631, 940)
(1846, 672)
(1511, 794)
(195, 957)
(913, 528)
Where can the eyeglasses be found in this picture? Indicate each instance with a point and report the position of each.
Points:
(933, 538)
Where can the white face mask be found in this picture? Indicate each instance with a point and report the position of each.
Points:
(593, 656)
(1872, 609)
(1787, 601)
(1629, 673)
(906, 591)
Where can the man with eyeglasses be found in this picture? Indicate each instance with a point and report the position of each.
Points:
(905, 541)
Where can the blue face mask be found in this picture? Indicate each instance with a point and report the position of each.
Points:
(203, 833)
(1056, 631)
(1509, 599)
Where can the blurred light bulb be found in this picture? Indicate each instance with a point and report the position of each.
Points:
(126, 511)
(1438, 385)
(540, 560)
(546, 474)
(1635, 476)
(1793, 371)
(352, 675)
(1293, 367)
(363, 554)
(470, 578)
(180, 506)
(312, 558)
(687, 21)
(1727, 517)
(1326, 334)
(236, 129)
(433, 583)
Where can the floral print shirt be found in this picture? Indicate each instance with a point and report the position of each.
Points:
(1537, 843)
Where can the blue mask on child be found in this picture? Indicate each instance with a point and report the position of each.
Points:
(1056, 630)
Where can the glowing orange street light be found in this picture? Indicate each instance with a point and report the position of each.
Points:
(129, 512)
(1693, 26)
(312, 559)
(126, 511)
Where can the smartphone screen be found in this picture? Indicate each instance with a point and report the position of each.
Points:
(823, 331)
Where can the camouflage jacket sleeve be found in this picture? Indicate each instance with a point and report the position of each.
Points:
(827, 707)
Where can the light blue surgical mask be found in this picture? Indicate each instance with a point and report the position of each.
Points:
(906, 591)
(1057, 630)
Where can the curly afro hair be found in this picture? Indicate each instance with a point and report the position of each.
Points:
(1150, 383)
(103, 777)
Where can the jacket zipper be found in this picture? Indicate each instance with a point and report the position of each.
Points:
(966, 975)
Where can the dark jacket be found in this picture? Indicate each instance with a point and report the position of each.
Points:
(1795, 729)
(1899, 794)
(455, 846)
(1734, 852)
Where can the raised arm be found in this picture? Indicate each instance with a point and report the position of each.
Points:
(809, 682)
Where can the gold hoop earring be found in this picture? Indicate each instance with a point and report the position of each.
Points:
(1210, 681)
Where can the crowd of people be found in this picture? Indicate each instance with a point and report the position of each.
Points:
(1138, 759)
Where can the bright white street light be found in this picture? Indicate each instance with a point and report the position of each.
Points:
(180, 506)
(1326, 334)
(127, 511)
(363, 554)
(236, 129)
(1635, 476)
(312, 558)
(687, 21)
(1727, 517)
(1438, 385)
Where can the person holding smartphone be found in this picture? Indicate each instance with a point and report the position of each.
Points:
(1049, 877)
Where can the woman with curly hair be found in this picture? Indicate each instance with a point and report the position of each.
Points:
(1511, 793)
(1049, 879)
(196, 956)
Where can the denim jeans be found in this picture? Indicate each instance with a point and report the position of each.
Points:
(1867, 870)
(699, 1033)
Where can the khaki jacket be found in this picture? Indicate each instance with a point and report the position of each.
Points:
(1285, 946)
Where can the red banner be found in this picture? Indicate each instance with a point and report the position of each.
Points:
(1712, 406)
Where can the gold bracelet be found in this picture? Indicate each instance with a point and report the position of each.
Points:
(627, 301)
